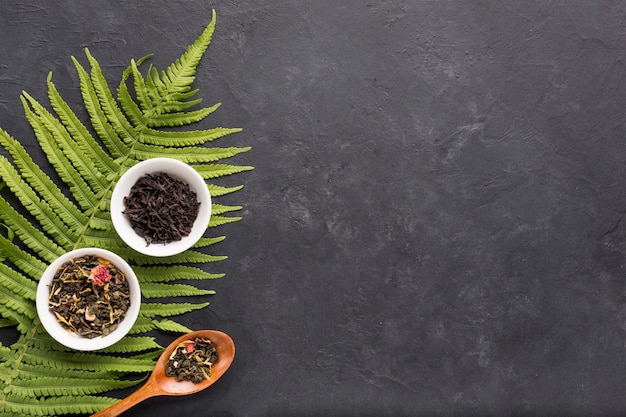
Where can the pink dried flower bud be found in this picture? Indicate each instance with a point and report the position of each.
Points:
(190, 346)
(100, 275)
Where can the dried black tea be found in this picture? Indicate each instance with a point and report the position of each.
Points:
(89, 296)
(161, 208)
(192, 360)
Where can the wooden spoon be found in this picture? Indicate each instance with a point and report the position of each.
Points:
(159, 384)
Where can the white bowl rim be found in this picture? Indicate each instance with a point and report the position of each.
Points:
(67, 337)
(177, 169)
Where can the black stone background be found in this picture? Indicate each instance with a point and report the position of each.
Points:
(435, 225)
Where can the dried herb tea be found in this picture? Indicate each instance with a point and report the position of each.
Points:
(161, 208)
(89, 296)
(192, 360)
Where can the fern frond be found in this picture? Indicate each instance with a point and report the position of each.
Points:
(36, 371)
(104, 238)
(17, 282)
(221, 209)
(208, 241)
(28, 234)
(26, 262)
(120, 125)
(48, 219)
(133, 344)
(162, 274)
(64, 386)
(168, 325)
(7, 323)
(142, 325)
(179, 76)
(104, 164)
(83, 164)
(190, 155)
(130, 108)
(168, 309)
(148, 97)
(187, 257)
(218, 190)
(220, 170)
(166, 138)
(19, 405)
(78, 186)
(18, 303)
(146, 324)
(222, 220)
(22, 322)
(99, 121)
(86, 361)
(100, 222)
(38, 375)
(181, 118)
(41, 182)
(157, 290)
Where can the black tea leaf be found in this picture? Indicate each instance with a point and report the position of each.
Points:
(161, 208)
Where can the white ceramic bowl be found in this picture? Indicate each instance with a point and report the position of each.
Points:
(69, 338)
(177, 169)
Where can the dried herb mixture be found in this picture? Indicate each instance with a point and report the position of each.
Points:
(89, 296)
(161, 208)
(192, 360)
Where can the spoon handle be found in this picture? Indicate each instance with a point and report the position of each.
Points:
(145, 392)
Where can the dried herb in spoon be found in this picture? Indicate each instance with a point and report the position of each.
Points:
(89, 296)
(192, 360)
(161, 208)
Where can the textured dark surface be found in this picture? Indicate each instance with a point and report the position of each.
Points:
(435, 225)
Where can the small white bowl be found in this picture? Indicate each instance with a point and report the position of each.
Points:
(177, 169)
(69, 338)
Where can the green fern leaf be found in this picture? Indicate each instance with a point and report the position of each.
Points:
(99, 121)
(17, 405)
(169, 309)
(63, 386)
(30, 235)
(17, 283)
(142, 325)
(189, 257)
(220, 170)
(180, 75)
(7, 323)
(133, 344)
(221, 209)
(86, 361)
(48, 219)
(157, 290)
(181, 118)
(147, 274)
(208, 241)
(36, 371)
(168, 325)
(43, 216)
(104, 163)
(26, 262)
(42, 184)
(57, 133)
(221, 220)
(219, 191)
(181, 139)
(190, 155)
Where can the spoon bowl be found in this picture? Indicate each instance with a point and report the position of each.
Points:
(159, 384)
